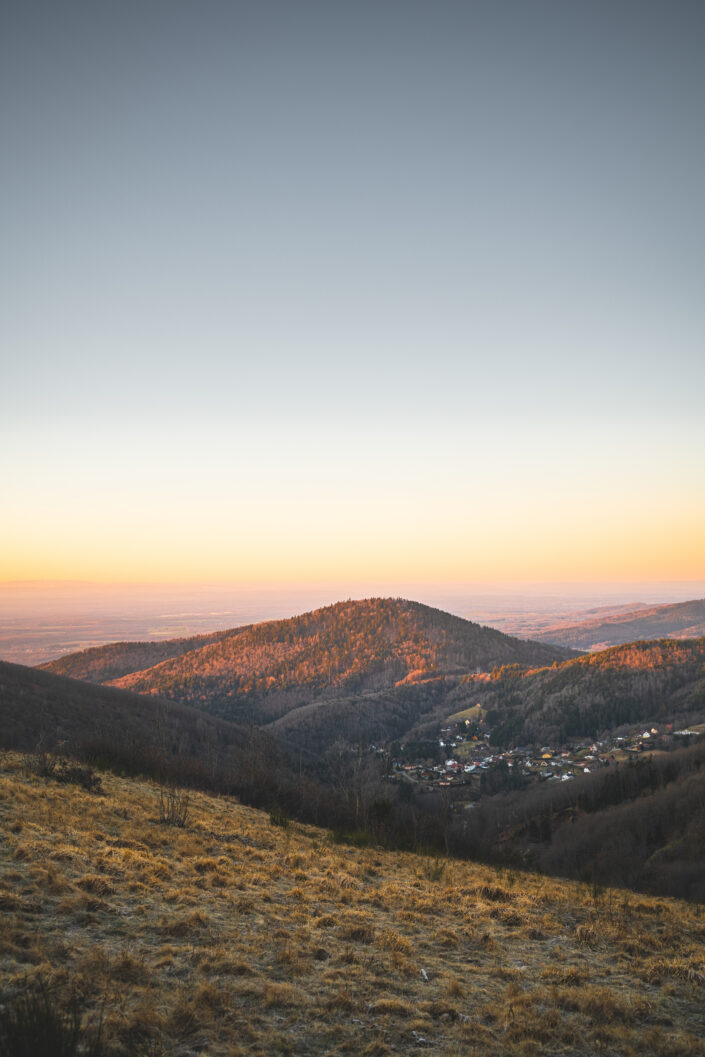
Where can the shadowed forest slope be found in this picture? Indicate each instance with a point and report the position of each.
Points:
(139, 734)
(640, 824)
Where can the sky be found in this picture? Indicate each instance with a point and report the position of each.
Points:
(352, 291)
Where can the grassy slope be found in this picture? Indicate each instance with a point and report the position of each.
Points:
(235, 937)
(676, 620)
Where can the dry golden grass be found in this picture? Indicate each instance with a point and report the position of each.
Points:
(233, 936)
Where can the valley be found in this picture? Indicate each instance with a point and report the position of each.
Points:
(368, 829)
(397, 724)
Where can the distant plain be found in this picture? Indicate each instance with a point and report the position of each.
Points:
(41, 621)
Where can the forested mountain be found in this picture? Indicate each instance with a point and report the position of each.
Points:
(264, 671)
(100, 664)
(585, 696)
(368, 718)
(680, 620)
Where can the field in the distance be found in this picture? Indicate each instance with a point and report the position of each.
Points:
(237, 936)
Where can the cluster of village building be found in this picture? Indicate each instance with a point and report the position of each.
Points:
(470, 756)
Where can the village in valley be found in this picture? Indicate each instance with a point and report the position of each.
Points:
(464, 759)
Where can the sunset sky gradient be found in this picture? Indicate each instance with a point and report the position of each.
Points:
(353, 291)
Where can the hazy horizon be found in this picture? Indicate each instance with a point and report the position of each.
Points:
(516, 586)
(40, 621)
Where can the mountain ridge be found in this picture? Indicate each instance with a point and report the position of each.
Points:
(636, 682)
(265, 670)
(640, 622)
(101, 664)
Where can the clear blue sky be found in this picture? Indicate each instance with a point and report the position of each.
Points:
(366, 257)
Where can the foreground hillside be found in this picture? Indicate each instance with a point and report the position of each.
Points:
(235, 936)
(37, 707)
(679, 620)
(265, 671)
(39, 710)
(585, 696)
(141, 734)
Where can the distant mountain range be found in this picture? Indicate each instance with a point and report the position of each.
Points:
(266, 671)
(679, 620)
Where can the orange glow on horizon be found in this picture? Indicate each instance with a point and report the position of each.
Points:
(665, 552)
(450, 511)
